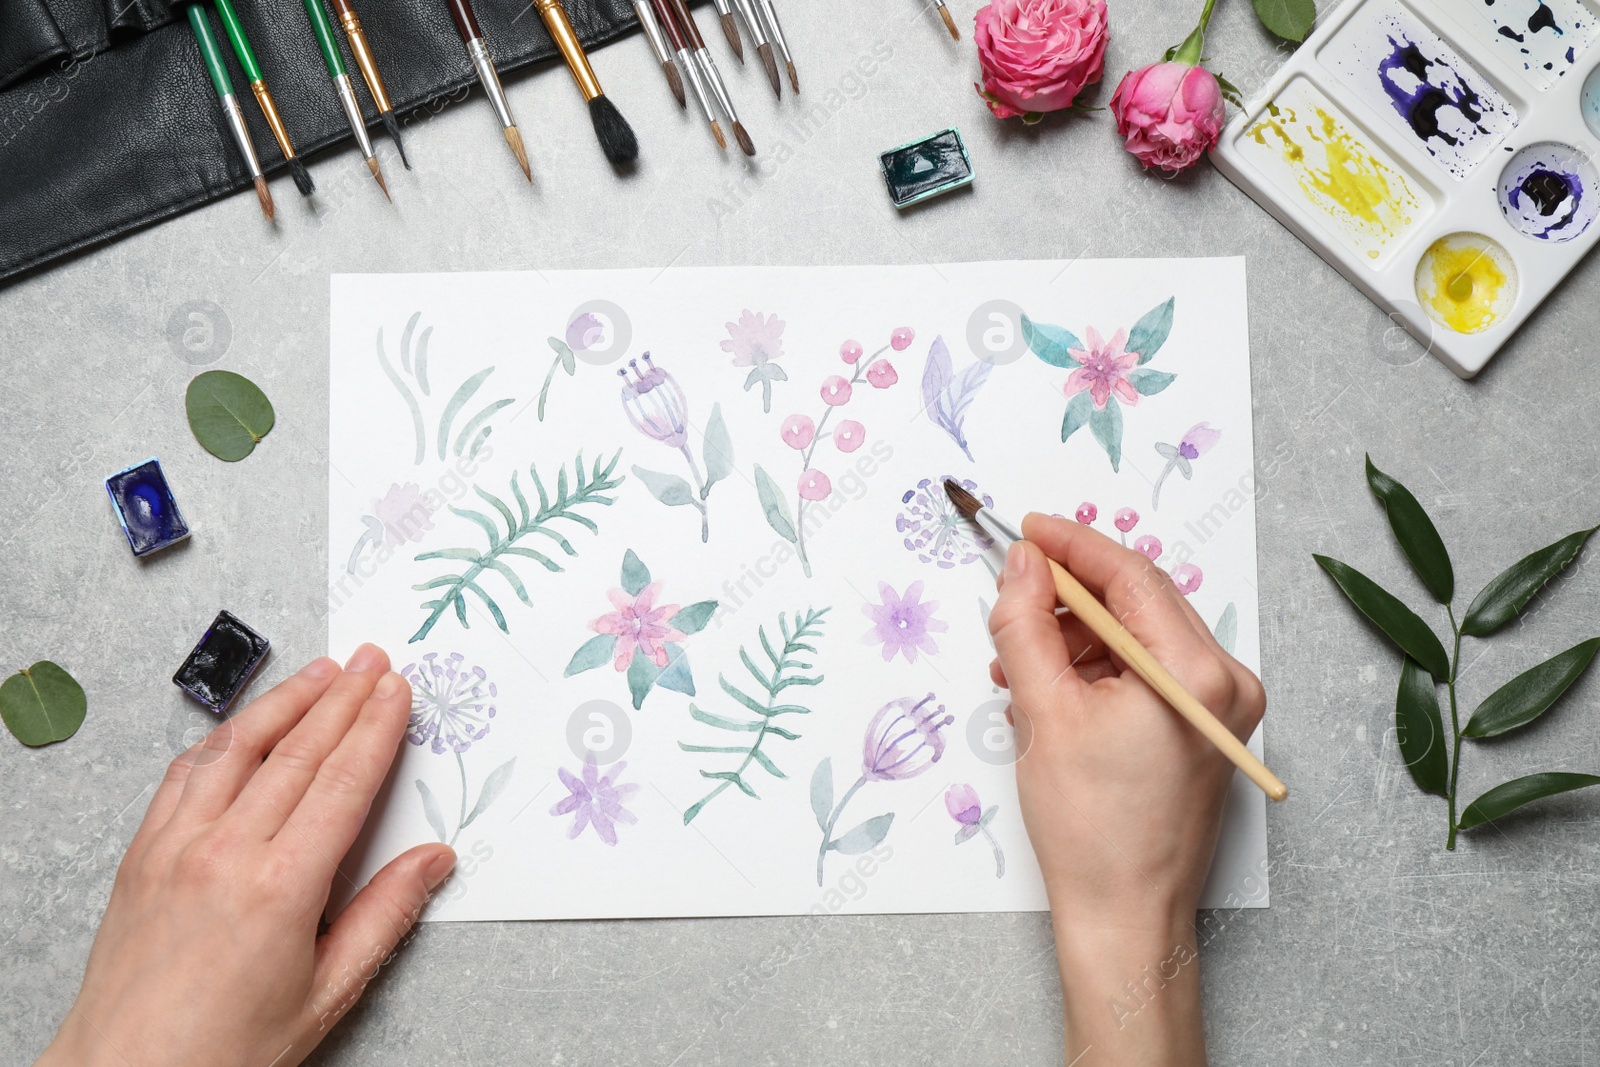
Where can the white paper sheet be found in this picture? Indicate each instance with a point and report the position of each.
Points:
(413, 395)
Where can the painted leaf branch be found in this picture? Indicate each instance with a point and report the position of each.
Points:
(587, 487)
(946, 395)
(414, 363)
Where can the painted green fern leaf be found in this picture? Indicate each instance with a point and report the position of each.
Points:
(786, 671)
(588, 486)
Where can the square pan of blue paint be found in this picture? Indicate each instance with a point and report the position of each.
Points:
(222, 662)
(145, 507)
(927, 168)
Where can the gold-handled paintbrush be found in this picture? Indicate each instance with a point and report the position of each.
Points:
(616, 137)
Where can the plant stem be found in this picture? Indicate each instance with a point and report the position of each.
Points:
(999, 857)
(805, 463)
(704, 490)
(1455, 727)
(827, 833)
(1155, 497)
(462, 818)
(1189, 51)
(548, 378)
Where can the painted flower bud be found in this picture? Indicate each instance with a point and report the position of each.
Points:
(1087, 513)
(882, 374)
(814, 485)
(903, 739)
(901, 338)
(1198, 441)
(584, 332)
(797, 431)
(961, 801)
(835, 391)
(1187, 577)
(1126, 519)
(850, 351)
(1148, 546)
(849, 436)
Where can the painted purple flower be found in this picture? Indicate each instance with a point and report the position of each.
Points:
(754, 339)
(595, 800)
(1148, 546)
(934, 530)
(903, 739)
(961, 801)
(1103, 370)
(450, 703)
(1196, 442)
(655, 403)
(584, 332)
(903, 624)
(1125, 519)
(1087, 513)
(403, 513)
(638, 624)
(1187, 577)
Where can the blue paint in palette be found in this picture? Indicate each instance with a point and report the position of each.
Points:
(146, 508)
(222, 662)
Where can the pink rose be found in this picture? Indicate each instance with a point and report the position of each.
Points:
(1169, 113)
(1037, 55)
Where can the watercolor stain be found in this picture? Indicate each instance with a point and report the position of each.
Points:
(1466, 282)
(1548, 192)
(1543, 38)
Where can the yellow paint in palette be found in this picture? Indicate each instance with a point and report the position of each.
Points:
(1466, 282)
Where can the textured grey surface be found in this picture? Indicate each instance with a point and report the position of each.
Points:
(1380, 947)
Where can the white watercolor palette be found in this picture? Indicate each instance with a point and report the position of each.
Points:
(1439, 154)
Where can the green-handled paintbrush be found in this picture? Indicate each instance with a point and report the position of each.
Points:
(212, 55)
(323, 30)
(269, 110)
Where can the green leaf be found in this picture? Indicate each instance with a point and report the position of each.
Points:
(1418, 537)
(227, 413)
(718, 449)
(635, 575)
(1510, 591)
(493, 786)
(1106, 425)
(1150, 332)
(564, 353)
(1050, 343)
(598, 651)
(1079, 408)
(822, 793)
(1227, 629)
(675, 675)
(462, 395)
(693, 618)
(1289, 19)
(730, 776)
(1531, 693)
(1391, 616)
(1519, 791)
(721, 723)
(1420, 730)
(775, 505)
(859, 839)
(430, 808)
(642, 675)
(42, 704)
(670, 489)
(1151, 382)
(766, 762)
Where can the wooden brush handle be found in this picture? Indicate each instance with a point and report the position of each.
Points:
(567, 43)
(1109, 629)
(669, 24)
(685, 17)
(466, 22)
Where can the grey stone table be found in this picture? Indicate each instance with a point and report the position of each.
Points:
(1380, 947)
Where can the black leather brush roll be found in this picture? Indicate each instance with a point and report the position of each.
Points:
(108, 120)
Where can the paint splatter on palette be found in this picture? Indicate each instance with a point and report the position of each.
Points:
(1436, 154)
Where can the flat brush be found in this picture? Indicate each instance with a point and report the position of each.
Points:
(322, 29)
(713, 78)
(1118, 640)
(758, 35)
(478, 51)
(269, 109)
(775, 31)
(730, 29)
(212, 55)
(691, 70)
(610, 128)
(658, 45)
(369, 73)
(949, 23)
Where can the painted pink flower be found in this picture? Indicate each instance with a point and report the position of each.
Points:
(903, 625)
(849, 435)
(850, 351)
(638, 623)
(961, 801)
(1104, 371)
(755, 339)
(835, 391)
(814, 485)
(1125, 519)
(901, 338)
(882, 374)
(797, 431)
(1087, 513)
(584, 332)
(1198, 440)
(403, 513)
(1148, 546)
(1187, 577)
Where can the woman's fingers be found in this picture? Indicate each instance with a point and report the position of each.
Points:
(1034, 661)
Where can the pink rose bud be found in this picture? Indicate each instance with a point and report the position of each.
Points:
(1187, 578)
(902, 337)
(850, 351)
(881, 374)
(797, 431)
(814, 485)
(835, 391)
(849, 436)
(1148, 546)
(1126, 519)
(1169, 114)
(1087, 513)
(1037, 55)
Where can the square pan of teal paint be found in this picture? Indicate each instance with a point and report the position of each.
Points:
(925, 168)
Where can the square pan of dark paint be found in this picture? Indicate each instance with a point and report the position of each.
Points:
(927, 168)
(146, 507)
(222, 662)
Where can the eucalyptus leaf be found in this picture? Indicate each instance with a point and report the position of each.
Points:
(667, 488)
(1079, 408)
(1419, 538)
(1519, 791)
(776, 507)
(1509, 592)
(430, 808)
(227, 413)
(42, 704)
(1531, 693)
(635, 575)
(718, 449)
(862, 838)
(642, 675)
(595, 652)
(1151, 382)
(1150, 332)
(1289, 19)
(1106, 425)
(676, 675)
(692, 618)
(1404, 628)
(1420, 730)
(493, 786)
(822, 793)
(1052, 344)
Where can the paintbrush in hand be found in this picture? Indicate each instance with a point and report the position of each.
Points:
(478, 51)
(322, 29)
(691, 69)
(610, 128)
(369, 73)
(1125, 646)
(658, 45)
(269, 109)
(212, 55)
(758, 34)
(713, 78)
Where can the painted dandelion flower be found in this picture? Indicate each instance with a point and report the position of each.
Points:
(451, 704)
(934, 530)
(903, 625)
(595, 800)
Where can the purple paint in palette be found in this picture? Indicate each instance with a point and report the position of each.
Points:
(1542, 38)
(1548, 192)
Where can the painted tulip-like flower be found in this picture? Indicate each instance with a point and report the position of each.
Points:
(755, 339)
(639, 624)
(1038, 55)
(1169, 114)
(961, 801)
(903, 739)
(1187, 577)
(935, 530)
(584, 332)
(849, 436)
(814, 485)
(655, 403)
(882, 374)
(1087, 513)
(1125, 519)
(1104, 370)
(451, 704)
(850, 352)
(836, 391)
(595, 800)
(1148, 546)
(797, 431)
(1196, 442)
(403, 513)
(901, 338)
(903, 625)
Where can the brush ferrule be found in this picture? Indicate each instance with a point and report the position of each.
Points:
(567, 43)
(241, 133)
(1005, 535)
(691, 74)
(722, 6)
(352, 114)
(714, 80)
(774, 28)
(652, 31)
(364, 59)
(479, 51)
(752, 22)
(269, 111)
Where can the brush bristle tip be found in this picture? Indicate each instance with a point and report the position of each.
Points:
(794, 79)
(965, 503)
(740, 134)
(391, 124)
(264, 195)
(616, 137)
(674, 82)
(301, 176)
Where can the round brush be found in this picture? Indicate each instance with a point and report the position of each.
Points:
(610, 128)
(212, 55)
(269, 109)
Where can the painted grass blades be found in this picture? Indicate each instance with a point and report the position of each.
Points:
(42, 704)
(1509, 592)
(1519, 791)
(1531, 693)
(1418, 537)
(1420, 731)
(228, 413)
(1399, 622)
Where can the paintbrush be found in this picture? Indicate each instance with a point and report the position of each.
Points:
(658, 45)
(775, 31)
(713, 78)
(369, 73)
(758, 34)
(729, 29)
(212, 55)
(1118, 640)
(691, 70)
(269, 109)
(610, 128)
(949, 23)
(478, 51)
(322, 29)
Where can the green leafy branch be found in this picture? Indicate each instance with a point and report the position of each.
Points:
(1418, 721)
(785, 672)
(587, 487)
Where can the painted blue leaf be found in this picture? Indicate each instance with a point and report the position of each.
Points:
(935, 375)
(865, 837)
(642, 675)
(693, 618)
(1106, 425)
(670, 489)
(822, 793)
(718, 450)
(675, 675)
(635, 575)
(1150, 332)
(1227, 628)
(595, 652)
(493, 786)
(967, 833)
(948, 409)
(775, 506)
(1079, 408)
(1050, 343)
(1151, 382)
(430, 808)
